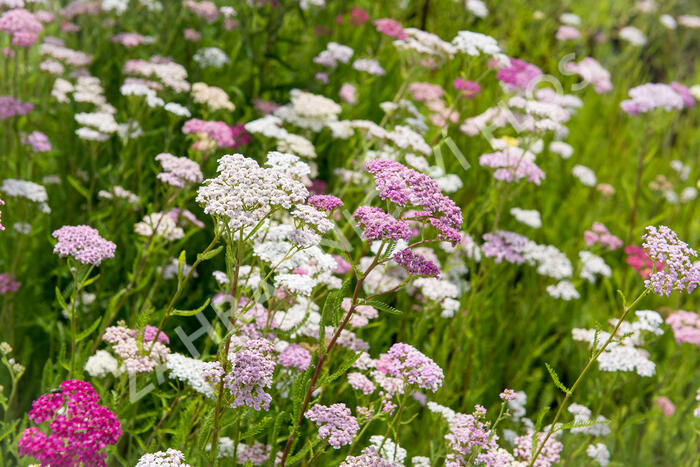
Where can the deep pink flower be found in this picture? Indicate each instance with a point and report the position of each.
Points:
(7, 283)
(469, 88)
(79, 428)
(519, 74)
(358, 16)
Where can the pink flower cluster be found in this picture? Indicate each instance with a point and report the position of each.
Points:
(11, 107)
(251, 372)
(469, 88)
(601, 234)
(336, 423)
(470, 438)
(512, 164)
(295, 356)
(177, 171)
(391, 28)
(407, 187)
(218, 131)
(413, 367)
(324, 202)
(416, 264)
(140, 355)
(593, 73)
(83, 243)
(549, 455)
(8, 284)
(685, 326)
(128, 39)
(679, 273)
(640, 261)
(22, 26)
(650, 96)
(502, 244)
(378, 225)
(38, 141)
(519, 75)
(79, 427)
(206, 9)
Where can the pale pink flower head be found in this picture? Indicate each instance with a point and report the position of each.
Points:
(684, 92)
(336, 423)
(192, 35)
(663, 245)
(348, 93)
(83, 243)
(219, 132)
(295, 356)
(567, 33)
(650, 96)
(205, 9)
(592, 72)
(128, 39)
(8, 284)
(685, 326)
(22, 26)
(391, 28)
(412, 366)
(666, 406)
(38, 141)
(178, 171)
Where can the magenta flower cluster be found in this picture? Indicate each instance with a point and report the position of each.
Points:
(519, 75)
(407, 187)
(405, 362)
(679, 273)
(83, 243)
(416, 264)
(336, 423)
(79, 428)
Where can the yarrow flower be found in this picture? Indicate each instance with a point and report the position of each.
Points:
(650, 96)
(335, 423)
(416, 264)
(220, 132)
(549, 455)
(324, 202)
(22, 25)
(177, 171)
(413, 367)
(469, 88)
(506, 245)
(391, 28)
(8, 284)
(679, 273)
(512, 164)
(243, 193)
(137, 348)
(171, 457)
(251, 372)
(519, 75)
(600, 234)
(79, 428)
(83, 243)
(685, 326)
(295, 356)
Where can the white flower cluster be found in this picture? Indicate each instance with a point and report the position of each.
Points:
(582, 414)
(426, 43)
(591, 265)
(215, 98)
(138, 89)
(162, 224)
(333, 55)
(599, 453)
(243, 192)
(633, 35)
(369, 65)
(564, 290)
(171, 457)
(390, 450)
(439, 290)
(549, 260)
(117, 6)
(477, 8)
(623, 352)
(28, 190)
(475, 43)
(177, 109)
(563, 149)
(101, 364)
(97, 125)
(172, 74)
(584, 174)
(529, 217)
(190, 371)
(119, 192)
(446, 412)
(307, 110)
(297, 145)
(211, 57)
